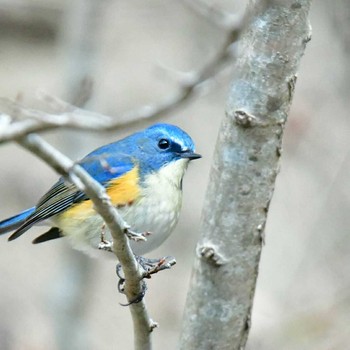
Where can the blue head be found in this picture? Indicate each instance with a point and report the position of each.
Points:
(160, 145)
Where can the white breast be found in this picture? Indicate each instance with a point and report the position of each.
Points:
(159, 207)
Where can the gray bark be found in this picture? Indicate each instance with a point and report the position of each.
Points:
(219, 303)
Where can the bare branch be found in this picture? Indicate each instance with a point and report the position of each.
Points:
(212, 13)
(77, 118)
(143, 325)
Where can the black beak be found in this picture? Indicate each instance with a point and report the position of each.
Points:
(190, 155)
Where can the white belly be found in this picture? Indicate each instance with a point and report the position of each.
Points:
(158, 214)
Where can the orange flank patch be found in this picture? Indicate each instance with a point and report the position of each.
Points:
(122, 191)
(125, 189)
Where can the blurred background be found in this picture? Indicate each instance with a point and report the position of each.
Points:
(52, 297)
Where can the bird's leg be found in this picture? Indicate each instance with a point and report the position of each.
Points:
(108, 245)
(150, 267)
(104, 244)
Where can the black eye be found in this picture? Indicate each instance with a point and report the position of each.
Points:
(163, 144)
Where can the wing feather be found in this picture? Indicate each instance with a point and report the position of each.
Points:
(102, 167)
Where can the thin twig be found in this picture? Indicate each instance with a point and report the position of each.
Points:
(77, 118)
(212, 13)
(143, 325)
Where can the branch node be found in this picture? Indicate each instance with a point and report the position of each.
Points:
(245, 119)
(261, 232)
(308, 36)
(210, 254)
(291, 86)
(279, 151)
(248, 322)
(153, 325)
(245, 189)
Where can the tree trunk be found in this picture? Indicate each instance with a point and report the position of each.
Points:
(219, 303)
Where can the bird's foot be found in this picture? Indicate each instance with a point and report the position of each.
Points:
(136, 236)
(150, 267)
(106, 245)
(138, 297)
(121, 287)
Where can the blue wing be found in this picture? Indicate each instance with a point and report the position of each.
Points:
(102, 166)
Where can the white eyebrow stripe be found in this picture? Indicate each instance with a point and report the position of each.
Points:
(180, 143)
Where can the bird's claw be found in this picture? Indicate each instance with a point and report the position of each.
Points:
(121, 282)
(150, 267)
(136, 236)
(121, 287)
(138, 297)
(106, 245)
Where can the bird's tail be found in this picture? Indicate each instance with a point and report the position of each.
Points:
(16, 221)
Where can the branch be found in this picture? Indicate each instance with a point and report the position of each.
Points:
(143, 325)
(77, 118)
(212, 13)
(243, 175)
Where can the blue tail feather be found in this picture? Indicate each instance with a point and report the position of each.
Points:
(16, 221)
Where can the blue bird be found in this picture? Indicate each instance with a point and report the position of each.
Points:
(142, 174)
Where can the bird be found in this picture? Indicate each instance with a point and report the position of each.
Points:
(142, 174)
